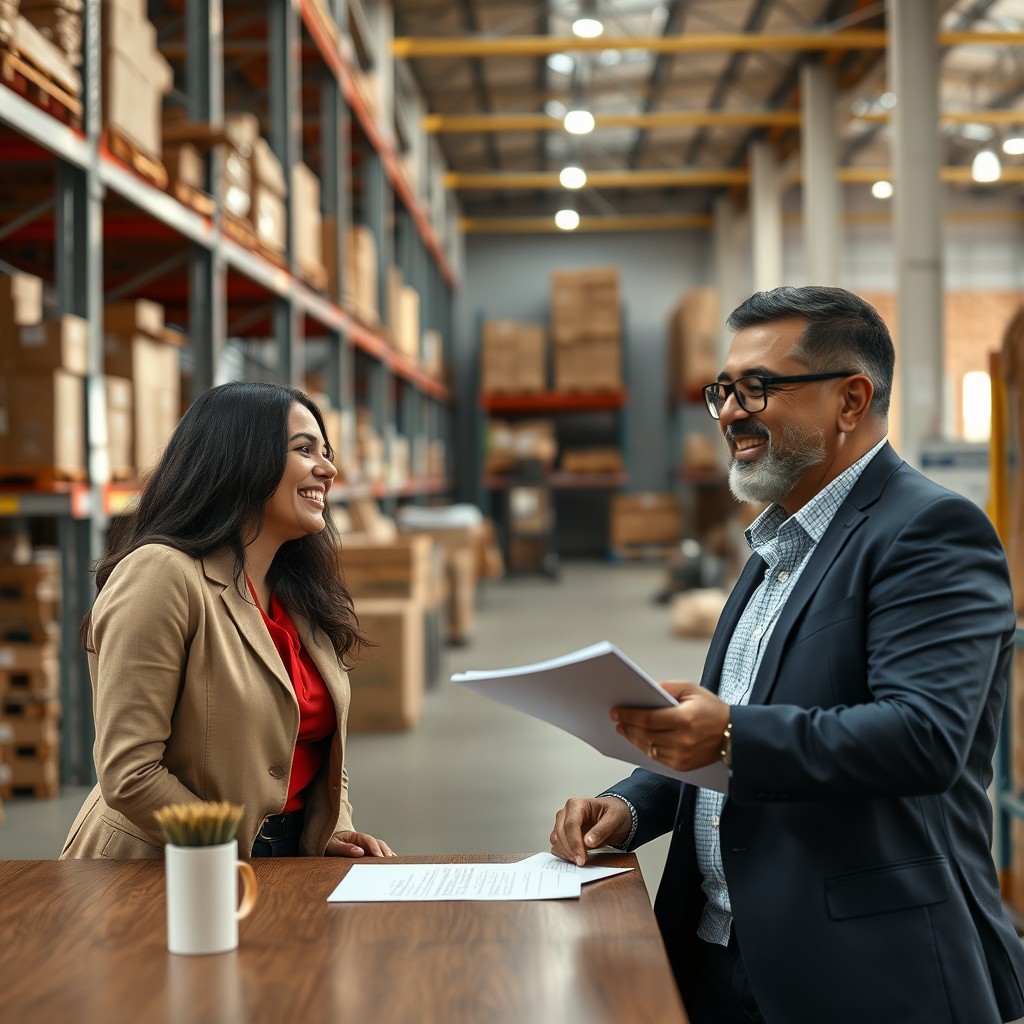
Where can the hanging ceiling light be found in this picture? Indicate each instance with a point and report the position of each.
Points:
(578, 122)
(561, 63)
(882, 190)
(986, 166)
(567, 220)
(588, 25)
(1014, 145)
(572, 177)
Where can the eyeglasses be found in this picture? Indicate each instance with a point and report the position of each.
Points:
(752, 392)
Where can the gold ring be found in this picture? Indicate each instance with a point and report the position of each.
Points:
(652, 751)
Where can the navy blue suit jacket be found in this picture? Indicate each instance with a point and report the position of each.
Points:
(856, 839)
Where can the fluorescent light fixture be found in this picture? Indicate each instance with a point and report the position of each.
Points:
(587, 28)
(579, 122)
(555, 108)
(567, 220)
(882, 190)
(986, 166)
(572, 177)
(1014, 145)
(561, 63)
(977, 132)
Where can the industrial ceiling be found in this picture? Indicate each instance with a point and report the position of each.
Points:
(679, 89)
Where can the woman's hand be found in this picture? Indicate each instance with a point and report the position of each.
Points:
(357, 844)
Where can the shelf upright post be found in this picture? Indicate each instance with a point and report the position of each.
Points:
(79, 280)
(204, 86)
(335, 193)
(286, 141)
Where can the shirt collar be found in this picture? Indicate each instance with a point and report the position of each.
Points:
(816, 515)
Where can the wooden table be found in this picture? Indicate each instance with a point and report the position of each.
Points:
(86, 941)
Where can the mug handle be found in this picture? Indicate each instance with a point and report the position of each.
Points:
(249, 890)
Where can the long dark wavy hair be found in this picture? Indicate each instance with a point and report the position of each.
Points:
(208, 492)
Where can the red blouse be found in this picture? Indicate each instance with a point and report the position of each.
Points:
(317, 719)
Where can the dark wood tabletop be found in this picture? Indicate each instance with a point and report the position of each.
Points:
(86, 941)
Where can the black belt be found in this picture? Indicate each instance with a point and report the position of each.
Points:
(281, 826)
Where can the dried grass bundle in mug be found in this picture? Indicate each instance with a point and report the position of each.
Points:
(200, 823)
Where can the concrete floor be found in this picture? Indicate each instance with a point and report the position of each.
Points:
(475, 777)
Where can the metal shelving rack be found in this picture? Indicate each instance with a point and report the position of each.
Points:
(423, 221)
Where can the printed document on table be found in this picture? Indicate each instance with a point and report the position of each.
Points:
(577, 690)
(587, 873)
(400, 883)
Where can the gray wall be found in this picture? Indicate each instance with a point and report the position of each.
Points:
(509, 276)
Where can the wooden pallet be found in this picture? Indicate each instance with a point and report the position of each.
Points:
(314, 275)
(37, 87)
(38, 790)
(195, 199)
(24, 706)
(143, 164)
(42, 477)
(644, 552)
(240, 230)
(271, 255)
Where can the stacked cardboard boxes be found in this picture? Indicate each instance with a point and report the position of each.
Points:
(645, 518)
(42, 387)
(586, 328)
(360, 284)
(135, 76)
(403, 315)
(694, 342)
(59, 21)
(139, 355)
(509, 444)
(513, 358)
(308, 226)
(29, 678)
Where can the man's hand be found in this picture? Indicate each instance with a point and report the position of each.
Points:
(356, 844)
(685, 737)
(584, 824)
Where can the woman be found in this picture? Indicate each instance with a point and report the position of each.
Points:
(218, 640)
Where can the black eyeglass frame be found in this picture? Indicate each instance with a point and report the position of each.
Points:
(714, 405)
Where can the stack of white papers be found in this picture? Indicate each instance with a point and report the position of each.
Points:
(541, 877)
(577, 691)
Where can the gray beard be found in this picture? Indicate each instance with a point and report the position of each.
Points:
(777, 472)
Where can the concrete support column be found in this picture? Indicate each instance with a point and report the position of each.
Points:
(913, 68)
(819, 157)
(727, 264)
(766, 216)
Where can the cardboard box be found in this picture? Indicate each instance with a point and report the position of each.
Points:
(153, 368)
(513, 358)
(694, 342)
(461, 566)
(29, 731)
(591, 364)
(407, 336)
(138, 317)
(402, 568)
(387, 683)
(133, 104)
(31, 581)
(42, 421)
(645, 518)
(118, 392)
(267, 169)
(308, 229)
(268, 216)
(21, 302)
(185, 165)
(360, 281)
(51, 345)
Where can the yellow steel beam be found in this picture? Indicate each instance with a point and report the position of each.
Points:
(458, 181)
(700, 42)
(460, 123)
(546, 225)
(537, 225)
(451, 123)
(702, 178)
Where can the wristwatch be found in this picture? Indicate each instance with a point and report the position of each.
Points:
(727, 745)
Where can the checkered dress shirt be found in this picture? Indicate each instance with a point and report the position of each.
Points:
(785, 544)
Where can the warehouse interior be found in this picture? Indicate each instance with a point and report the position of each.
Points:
(498, 249)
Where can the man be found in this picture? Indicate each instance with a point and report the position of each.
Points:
(854, 687)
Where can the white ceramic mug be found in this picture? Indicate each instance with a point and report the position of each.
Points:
(202, 897)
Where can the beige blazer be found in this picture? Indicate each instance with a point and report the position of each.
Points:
(192, 702)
